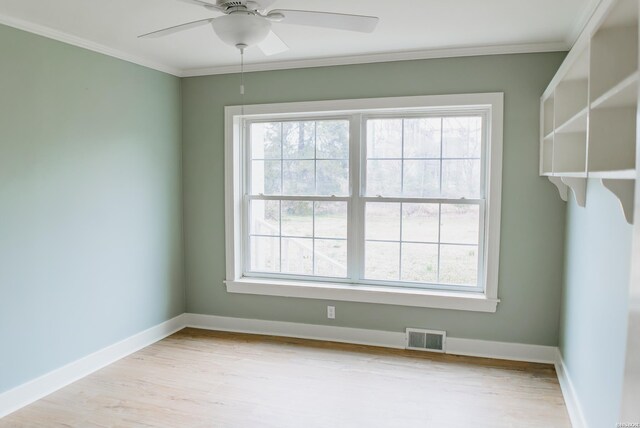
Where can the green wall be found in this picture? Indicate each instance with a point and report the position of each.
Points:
(90, 203)
(531, 262)
(595, 303)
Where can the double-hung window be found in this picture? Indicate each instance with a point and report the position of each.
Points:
(388, 201)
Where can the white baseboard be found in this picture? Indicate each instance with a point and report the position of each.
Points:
(388, 339)
(570, 397)
(27, 393)
(42, 386)
(502, 350)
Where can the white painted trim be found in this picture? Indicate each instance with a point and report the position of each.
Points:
(501, 350)
(485, 302)
(367, 294)
(386, 339)
(493, 195)
(369, 105)
(63, 37)
(44, 385)
(359, 336)
(570, 397)
(384, 57)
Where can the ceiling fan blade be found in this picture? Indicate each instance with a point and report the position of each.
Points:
(176, 28)
(272, 45)
(208, 5)
(340, 21)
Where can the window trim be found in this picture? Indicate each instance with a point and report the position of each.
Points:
(472, 300)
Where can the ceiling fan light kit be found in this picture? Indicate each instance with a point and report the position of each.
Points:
(241, 29)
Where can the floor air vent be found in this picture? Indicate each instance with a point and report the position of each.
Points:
(426, 340)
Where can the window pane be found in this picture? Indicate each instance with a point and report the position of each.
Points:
(462, 137)
(459, 224)
(413, 157)
(422, 137)
(461, 178)
(459, 264)
(421, 178)
(297, 218)
(265, 254)
(382, 260)
(332, 177)
(298, 140)
(331, 220)
(297, 255)
(382, 221)
(265, 140)
(265, 177)
(420, 262)
(420, 222)
(332, 139)
(298, 177)
(384, 177)
(265, 218)
(331, 258)
(384, 138)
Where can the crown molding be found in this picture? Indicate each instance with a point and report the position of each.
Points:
(462, 51)
(61, 36)
(385, 57)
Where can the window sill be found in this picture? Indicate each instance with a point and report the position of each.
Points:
(366, 294)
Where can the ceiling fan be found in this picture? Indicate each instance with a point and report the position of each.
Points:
(245, 23)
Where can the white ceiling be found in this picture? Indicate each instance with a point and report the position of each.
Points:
(409, 29)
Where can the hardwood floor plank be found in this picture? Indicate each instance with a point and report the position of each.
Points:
(198, 378)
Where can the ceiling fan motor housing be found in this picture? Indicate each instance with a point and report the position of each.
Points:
(241, 29)
(230, 3)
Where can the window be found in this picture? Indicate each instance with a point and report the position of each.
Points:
(391, 200)
(298, 197)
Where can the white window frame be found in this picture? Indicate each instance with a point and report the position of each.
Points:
(484, 301)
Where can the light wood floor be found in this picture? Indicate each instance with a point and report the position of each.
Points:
(198, 378)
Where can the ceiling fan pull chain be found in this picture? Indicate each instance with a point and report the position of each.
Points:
(241, 47)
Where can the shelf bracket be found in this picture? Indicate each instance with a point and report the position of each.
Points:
(562, 188)
(624, 191)
(578, 187)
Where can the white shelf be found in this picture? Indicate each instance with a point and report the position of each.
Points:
(623, 14)
(570, 152)
(546, 155)
(576, 123)
(621, 174)
(547, 123)
(589, 111)
(624, 94)
(612, 139)
(580, 174)
(571, 97)
(614, 57)
(579, 69)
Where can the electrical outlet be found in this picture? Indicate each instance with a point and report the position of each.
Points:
(331, 312)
